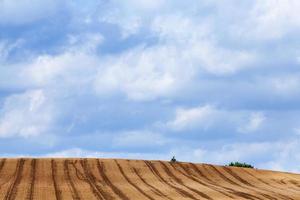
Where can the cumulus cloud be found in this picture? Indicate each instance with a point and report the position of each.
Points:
(255, 121)
(209, 117)
(196, 45)
(273, 19)
(67, 69)
(142, 74)
(26, 115)
(202, 117)
(287, 85)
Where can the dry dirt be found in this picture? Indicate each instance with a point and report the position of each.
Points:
(90, 179)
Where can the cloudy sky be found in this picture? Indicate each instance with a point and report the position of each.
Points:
(205, 80)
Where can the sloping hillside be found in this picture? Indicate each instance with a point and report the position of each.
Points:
(89, 179)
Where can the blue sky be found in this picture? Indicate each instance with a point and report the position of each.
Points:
(208, 81)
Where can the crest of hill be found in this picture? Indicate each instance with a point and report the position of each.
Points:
(81, 178)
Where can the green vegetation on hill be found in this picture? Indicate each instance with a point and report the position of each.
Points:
(238, 164)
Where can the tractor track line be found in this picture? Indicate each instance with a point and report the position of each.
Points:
(266, 196)
(74, 192)
(92, 181)
(114, 188)
(259, 179)
(265, 183)
(229, 190)
(56, 187)
(286, 183)
(281, 182)
(131, 183)
(2, 164)
(187, 174)
(155, 190)
(179, 190)
(30, 191)
(79, 175)
(237, 177)
(12, 191)
(243, 181)
(1, 167)
(158, 177)
(245, 195)
(295, 183)
(178, 180)
(89, 178)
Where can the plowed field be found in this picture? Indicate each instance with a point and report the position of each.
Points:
(101, 179)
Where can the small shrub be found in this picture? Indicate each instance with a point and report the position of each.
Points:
(238, 164)
(173, 160)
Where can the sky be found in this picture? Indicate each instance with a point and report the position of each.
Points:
(208, 81)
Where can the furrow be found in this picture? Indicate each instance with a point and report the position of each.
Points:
(12, 191)
(178, 180)
(179, 190)
(239, 193)
(1, 167)
(74, 192)
(30, 192)
(131, 183)
(229, 190)
(187, 174)
(79, 175)
(158, 176)
(223, 176)
(295, 183)
(97, 191)
(116, 190)
(267, 184)
(282, 183)
(2, 163)
(236, 176)
(155, 190)
(55, 184)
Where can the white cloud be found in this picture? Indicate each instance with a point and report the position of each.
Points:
(161, 70)
(198, 117)
(6, 48)
(143, 74)
(209, 117)
(271, 19)
(25, 115)
(241, 152)
(196, 45)
(255, 121)
(287, 85)
(286, 156)
(68, 69)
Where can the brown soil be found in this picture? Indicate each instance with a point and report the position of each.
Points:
(108, 179)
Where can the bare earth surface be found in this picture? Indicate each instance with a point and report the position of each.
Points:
(90, 179)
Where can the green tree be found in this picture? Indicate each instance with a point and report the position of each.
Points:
(238, 164)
